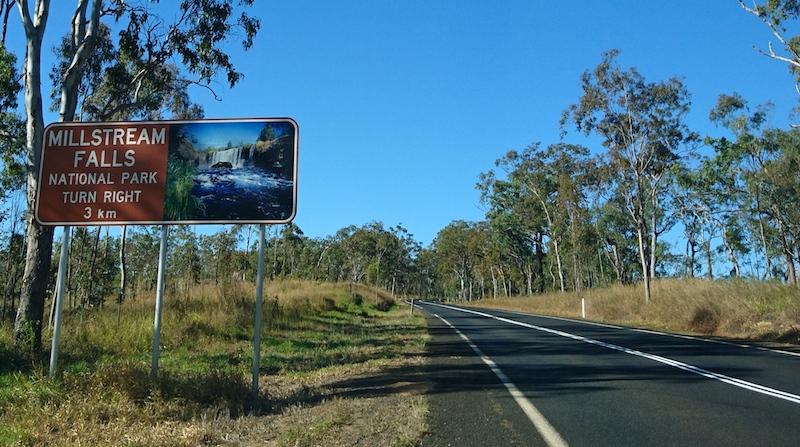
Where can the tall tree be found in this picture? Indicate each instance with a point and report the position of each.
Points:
(12, 134)
(458, 248)
(757, 163)
(775, 14)
(194, 40)
(641, 126)
(517, 220)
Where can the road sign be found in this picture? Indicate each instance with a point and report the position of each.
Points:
(168, 172)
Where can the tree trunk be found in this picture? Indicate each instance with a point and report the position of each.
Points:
(653, 238)
(643, 258)
(503, 280)
(615, 261)
(494, 282)
(92, 267)
(30, 313)
(561, 282)
(729, 250)
(691, 253)
(540, 262)
(788, 255)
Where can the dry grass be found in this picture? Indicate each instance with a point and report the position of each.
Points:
(766, 311)
(318, 340)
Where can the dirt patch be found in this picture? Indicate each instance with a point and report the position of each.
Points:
(373, 404)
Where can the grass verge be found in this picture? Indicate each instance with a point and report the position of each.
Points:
(332, 369)
(761, 311)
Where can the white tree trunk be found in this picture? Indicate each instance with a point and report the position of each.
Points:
(30, 312)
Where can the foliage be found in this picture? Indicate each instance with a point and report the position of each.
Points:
(775, 14)
(12, 176)
(641, 126)
(133, 76)
(92, 267)
(560, 217)
(179, 203)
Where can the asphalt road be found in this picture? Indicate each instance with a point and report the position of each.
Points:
(502, 378)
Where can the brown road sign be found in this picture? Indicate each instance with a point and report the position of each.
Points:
(182, 172)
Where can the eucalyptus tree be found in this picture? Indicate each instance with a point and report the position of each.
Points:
(183, 257)
(149, 39)
(400, 264)
(142, 257)
(518, 224)
(544, 196)
(385, 243)
(528, 173)
(5, 11)
(616, 239)
(783, 191)
(642, 129)
(12, 177)
(12, 174)
(12, 250)
(358, 249)
(313, 250)
(458, 247)
(427, 279)
(92, 270)
(503, 251)
(291, 244)
(775, 14)
(755, 158)
(329, 260)
(710, 200)
(216, 254)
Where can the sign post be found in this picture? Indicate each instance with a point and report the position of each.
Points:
(162, 256)
(62, 274)
(168, 172)
(225, 171)
(259, 307)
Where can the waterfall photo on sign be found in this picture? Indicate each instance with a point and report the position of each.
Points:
(224, 171)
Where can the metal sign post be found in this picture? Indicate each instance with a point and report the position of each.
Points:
(162, 259)
(243, 171)
(62, 269)
(259, 306)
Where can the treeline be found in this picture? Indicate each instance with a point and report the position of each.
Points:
(646, 203)
(650, 198)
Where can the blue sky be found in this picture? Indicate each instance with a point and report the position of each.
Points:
(402, 104)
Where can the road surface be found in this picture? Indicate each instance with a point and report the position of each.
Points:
(503, 378)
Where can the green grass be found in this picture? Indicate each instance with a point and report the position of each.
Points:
(104, 393)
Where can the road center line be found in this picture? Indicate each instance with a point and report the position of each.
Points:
(549, 434)
(772, 392)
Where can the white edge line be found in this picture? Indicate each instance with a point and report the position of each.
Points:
(772, 392)
(548, 432)
(655, 332)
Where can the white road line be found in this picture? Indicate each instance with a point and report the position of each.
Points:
(549, 434)
(772, 392)
(664, 334)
